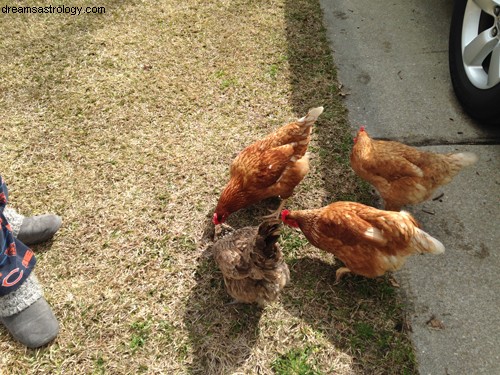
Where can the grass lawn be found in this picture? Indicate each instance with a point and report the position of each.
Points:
(125, 124)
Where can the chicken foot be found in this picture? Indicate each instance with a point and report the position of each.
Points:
(275, 213)
(340, 273)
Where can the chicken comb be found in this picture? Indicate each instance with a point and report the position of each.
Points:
(362, 129)
(284, 214)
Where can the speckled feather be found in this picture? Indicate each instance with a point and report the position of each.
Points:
(252, 263)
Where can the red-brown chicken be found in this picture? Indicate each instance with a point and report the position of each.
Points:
(270, 167)
(369, 241)
(403, 174)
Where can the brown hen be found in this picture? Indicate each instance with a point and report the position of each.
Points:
(369, 241)
(252, 263)
(270, 167)
(403, 174)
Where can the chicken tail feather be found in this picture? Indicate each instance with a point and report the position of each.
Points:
(312, 116)
(425, 243)
(269, 232)
(464, 159)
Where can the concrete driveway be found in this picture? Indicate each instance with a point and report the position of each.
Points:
(392, 59)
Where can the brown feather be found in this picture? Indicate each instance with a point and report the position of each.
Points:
(270, 167)
(369, 241)
(403, 174)
(252, 263)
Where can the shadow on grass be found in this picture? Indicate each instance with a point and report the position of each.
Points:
(221, 336)
(246, 217)
(314, 82)
(359, 316)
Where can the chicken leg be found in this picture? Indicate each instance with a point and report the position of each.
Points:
(340, 273)
(275, 213)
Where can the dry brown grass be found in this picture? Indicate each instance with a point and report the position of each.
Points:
(125, 124)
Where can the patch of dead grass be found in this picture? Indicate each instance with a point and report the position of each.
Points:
(125, 124)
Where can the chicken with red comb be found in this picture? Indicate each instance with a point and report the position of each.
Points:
(367, 240)
(270, 167)
(402, 174)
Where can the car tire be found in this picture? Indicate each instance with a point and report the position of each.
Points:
(481, 103)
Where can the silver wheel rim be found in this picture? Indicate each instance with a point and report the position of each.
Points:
(476, 47)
